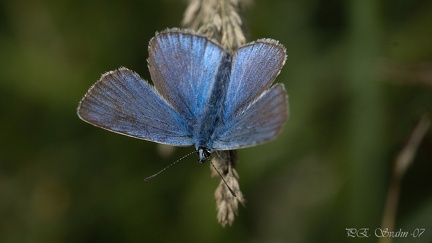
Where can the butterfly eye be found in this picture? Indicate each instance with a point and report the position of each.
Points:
(203, 154)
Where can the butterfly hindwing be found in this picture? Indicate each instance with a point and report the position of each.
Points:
(255, 67)
(122, 102)
(259, 123)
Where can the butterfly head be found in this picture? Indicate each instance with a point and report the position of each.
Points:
(203, 154)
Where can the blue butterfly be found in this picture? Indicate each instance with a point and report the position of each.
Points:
(202, 95)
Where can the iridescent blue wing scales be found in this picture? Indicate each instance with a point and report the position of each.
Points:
(253, 113)
(259, 123)
(183, 68)
(122, 102)
(255, 66)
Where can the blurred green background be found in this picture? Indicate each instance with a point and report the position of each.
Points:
(359, 77)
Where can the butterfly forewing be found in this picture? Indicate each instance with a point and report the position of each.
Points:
(183, 68)
(124, 103)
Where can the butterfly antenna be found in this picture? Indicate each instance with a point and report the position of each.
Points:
(229, 188)
(173, 163)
